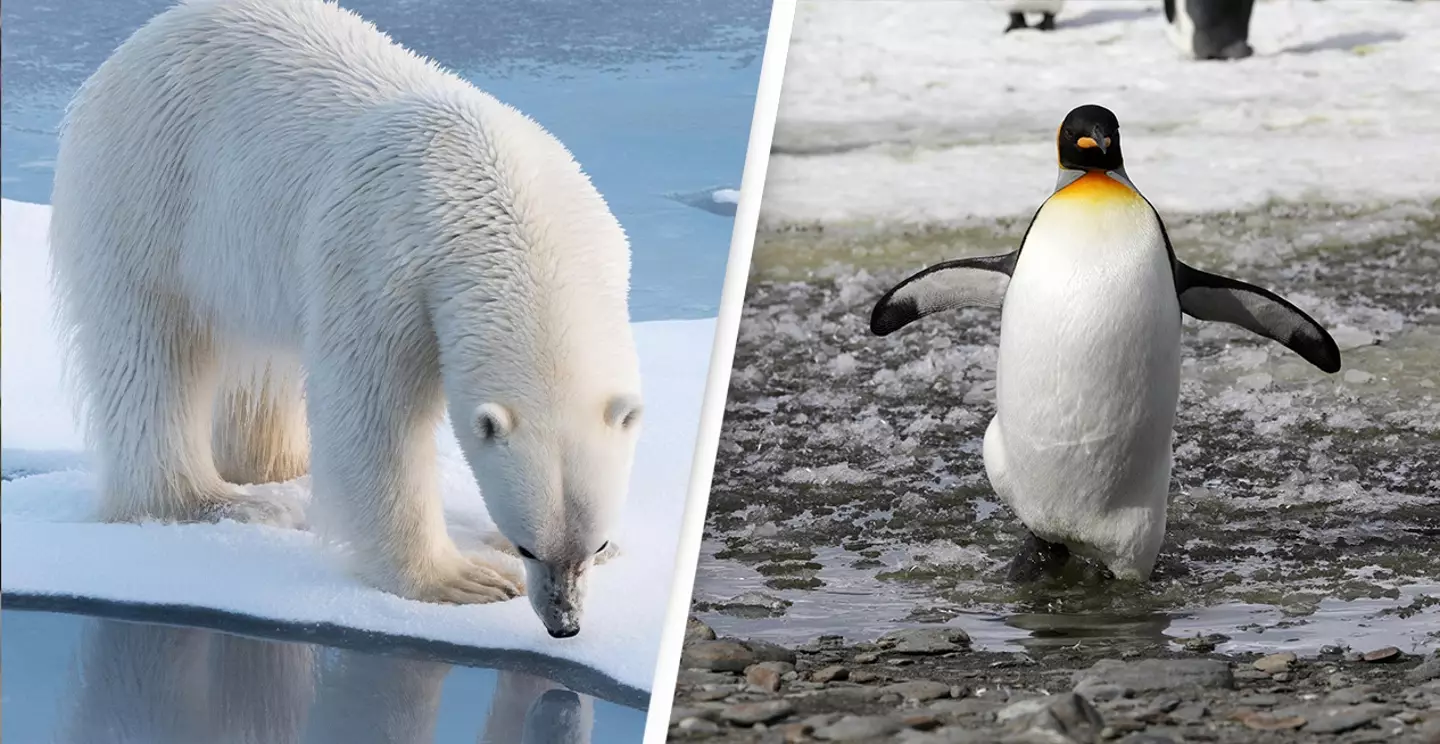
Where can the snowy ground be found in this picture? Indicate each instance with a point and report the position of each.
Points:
(52, 546)
(897, 113)
(849, 495)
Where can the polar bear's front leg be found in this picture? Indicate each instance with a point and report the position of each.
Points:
(373, 472)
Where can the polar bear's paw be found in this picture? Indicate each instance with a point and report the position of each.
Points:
(274, 508)
(469, 579)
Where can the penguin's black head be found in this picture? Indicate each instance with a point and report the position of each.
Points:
(1089, 139)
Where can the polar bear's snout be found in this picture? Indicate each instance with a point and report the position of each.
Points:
(557, 593)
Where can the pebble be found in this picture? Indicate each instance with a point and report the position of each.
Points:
(919, 690)
(720, 656)
(765, 711)
(1341, 720)
(926, 641)
(754, 603)
(1382, 655)
(1144, 737)
(1067, 715)
(858, 728)
(863, 677)
(920, 720)
(832, 673)
(843, 697)
(699, 726)
(1270, 722)
(867, 658)
(695, 630)
(679, 714)
(1200, 644)
(767, 674)
(793, 733)
(1021, 709)
(699, 677)
(1352, 695)
(965, 707)
(767, 651)
(1275, 662)
(1159, 675)
(1249, 675)
(1100, 692)
(1427, 671)
(1191, 712)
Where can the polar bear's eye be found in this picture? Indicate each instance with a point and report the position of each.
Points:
(525, 553)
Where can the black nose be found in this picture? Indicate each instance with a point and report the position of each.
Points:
(566, 632)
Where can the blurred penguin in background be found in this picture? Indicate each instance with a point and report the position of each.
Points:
(1210, 29)
(1047, 9)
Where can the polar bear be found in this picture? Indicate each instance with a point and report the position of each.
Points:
(281, 241)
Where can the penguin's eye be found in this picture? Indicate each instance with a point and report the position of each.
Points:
(603, 547)
(525, 553)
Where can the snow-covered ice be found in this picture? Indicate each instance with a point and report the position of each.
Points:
(51, 545)
(922, 113)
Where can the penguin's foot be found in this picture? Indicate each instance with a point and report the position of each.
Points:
(1047, 22)
(1037, 560)
(1237, 50)
(1017, 21)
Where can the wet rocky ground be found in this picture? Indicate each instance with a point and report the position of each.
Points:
(926, 685)
(849, 466)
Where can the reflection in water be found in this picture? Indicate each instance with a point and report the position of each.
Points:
(1052, 630)
(136, 683)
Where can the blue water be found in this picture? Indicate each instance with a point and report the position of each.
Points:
(71, 678)
(654, 98)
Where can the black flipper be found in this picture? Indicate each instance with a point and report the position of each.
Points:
(1037, 560)
(966, 282)
(1208, 296)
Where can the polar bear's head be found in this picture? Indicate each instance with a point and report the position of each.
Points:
(554, 479)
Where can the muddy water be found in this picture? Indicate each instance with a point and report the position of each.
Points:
(850, 497)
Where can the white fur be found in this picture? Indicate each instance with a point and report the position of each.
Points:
(1087, 383)
(266, 204)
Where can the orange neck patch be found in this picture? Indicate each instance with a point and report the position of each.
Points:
(1096, 186)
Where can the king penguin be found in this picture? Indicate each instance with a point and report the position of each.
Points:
(1088, 373)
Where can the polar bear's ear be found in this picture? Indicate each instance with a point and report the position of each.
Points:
(493, 422)
(623, 411)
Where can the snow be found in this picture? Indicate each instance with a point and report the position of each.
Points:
(918, 113)
(50, 546)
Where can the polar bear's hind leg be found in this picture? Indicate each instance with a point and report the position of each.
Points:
(150, 373)
(260, 433)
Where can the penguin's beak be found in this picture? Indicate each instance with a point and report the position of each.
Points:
(1101, 141)
(1096, 140)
